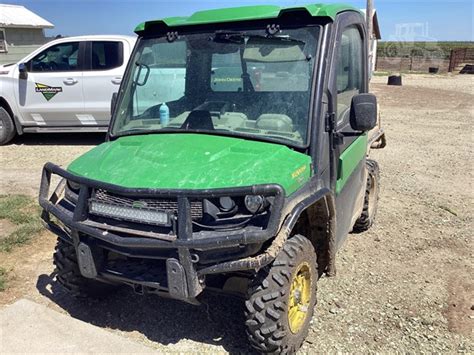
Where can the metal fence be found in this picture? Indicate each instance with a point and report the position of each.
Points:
(460, 56)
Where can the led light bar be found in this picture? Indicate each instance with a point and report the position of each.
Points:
(140, 215)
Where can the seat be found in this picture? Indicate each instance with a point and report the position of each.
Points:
(198, 119)
(95, 61)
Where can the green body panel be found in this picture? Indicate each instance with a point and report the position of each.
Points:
(247, 13)
(349, 160)
(193, 161)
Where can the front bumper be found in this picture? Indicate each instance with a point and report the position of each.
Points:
(175, 253)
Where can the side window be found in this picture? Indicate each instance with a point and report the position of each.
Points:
(3, 41)
(61, 57)
(106, 55)
(160, 75)
(349, 70)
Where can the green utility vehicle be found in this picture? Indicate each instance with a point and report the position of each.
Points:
(236, 160)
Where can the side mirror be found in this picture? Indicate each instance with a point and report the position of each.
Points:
(113, 102)
(363, 115)
(23, 71)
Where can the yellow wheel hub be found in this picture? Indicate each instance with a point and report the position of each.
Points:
(300, 296)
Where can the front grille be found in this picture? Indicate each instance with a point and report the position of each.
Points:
(165, 205)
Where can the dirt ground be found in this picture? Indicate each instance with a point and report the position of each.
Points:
(402, 286)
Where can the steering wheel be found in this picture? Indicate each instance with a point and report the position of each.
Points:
(41, 66)
(53, 65)
(215, 108)
(282, 107)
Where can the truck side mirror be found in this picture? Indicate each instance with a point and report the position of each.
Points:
(113, 102)
(363, 115)
(23, 71)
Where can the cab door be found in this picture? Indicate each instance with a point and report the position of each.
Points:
(350, 78)
(52, 93)
(105, 65)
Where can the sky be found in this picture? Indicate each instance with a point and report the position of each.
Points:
(433, 20)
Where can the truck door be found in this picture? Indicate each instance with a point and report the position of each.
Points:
(52, 93)
(351, 148)
(105, 65)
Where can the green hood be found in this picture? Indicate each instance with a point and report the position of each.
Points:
(192, 161)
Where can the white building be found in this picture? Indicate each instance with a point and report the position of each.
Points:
(21, 32)
(374, 37)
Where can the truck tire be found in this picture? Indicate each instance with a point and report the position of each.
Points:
(69, 276)
(367, 218)
(281, 299)
(7, 128)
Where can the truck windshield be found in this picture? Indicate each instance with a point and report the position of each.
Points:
(231, 83)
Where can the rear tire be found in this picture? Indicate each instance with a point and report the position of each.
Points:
(7, 128)
(69, 275)
(282, 298)
(367, 218)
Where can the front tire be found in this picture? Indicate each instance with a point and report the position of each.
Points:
(69, 275)
(282, 299)
(7, 128)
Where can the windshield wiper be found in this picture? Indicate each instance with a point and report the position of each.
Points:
(140, 131)
(218, 132)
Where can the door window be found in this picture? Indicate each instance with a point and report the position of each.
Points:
(349, 70)
(106, 55)
(61, 57)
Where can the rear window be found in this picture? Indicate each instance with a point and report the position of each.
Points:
(282, 69)
(106, 55)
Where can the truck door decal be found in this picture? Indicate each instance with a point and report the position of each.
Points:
(48, 91)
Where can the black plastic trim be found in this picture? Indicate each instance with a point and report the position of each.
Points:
(203, 240)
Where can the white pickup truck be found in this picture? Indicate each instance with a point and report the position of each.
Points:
(64, 86)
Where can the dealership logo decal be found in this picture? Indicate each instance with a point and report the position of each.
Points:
(48, 91)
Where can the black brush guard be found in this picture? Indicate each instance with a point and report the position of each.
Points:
(184, 277)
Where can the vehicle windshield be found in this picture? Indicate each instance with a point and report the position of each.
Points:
(233, 83)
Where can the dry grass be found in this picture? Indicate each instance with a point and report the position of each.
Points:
(24, 213)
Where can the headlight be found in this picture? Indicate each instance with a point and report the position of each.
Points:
(226, 204)
(254, 203)
(73, 185)
(141, 215)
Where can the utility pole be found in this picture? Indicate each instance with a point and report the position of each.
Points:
(369, 20)
(368, 17)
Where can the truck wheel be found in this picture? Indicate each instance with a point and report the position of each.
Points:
(282, 298)
(69, 276)
(7, 128)
(367, 218)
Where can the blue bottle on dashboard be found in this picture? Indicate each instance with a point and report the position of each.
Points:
(164, 114)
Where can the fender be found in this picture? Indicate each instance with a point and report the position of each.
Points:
(307, 197)
(16, 122)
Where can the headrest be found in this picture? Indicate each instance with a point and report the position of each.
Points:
(275, 122)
